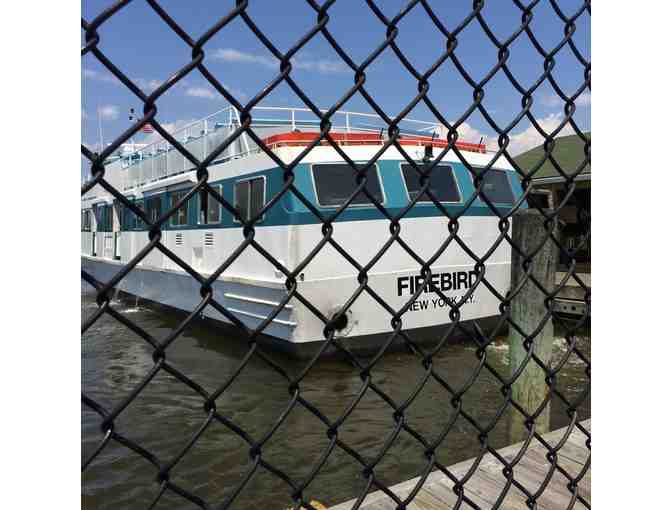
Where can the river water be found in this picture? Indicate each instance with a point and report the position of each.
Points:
(167, 412)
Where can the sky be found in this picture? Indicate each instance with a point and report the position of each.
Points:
(149, 52)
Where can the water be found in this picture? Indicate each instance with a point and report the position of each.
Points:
(166, 414)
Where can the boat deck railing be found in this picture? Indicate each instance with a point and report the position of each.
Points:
(159, 160)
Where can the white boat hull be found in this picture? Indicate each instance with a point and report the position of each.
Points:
(328, 282)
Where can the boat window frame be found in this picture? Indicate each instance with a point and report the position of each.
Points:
(235, 204)
(508, 182)
(368, 204)
(137, 223)
(176, 214)
(429, 202)
(149, 210)
(219, 207)
(86, 220)
(104, 222)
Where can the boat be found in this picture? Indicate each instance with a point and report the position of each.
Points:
(204, 234)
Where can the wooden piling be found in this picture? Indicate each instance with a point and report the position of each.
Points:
(527, 311)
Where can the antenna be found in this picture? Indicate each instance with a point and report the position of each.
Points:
(100, 129)
(131, 118)
(429, 150)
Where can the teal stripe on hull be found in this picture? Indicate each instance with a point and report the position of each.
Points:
(291, 211)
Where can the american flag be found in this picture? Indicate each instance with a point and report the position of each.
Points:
(147, 128)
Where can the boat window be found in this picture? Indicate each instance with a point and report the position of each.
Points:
(181, 216)
(497, 188)
(118, 210)
(153, 208)
(540, 199)
(98, 214)
(135, 222)
(210, 210)
(104, 218)
(129, 220)
(335, 183)
(249, 197)
(86, 220)
(442, 184)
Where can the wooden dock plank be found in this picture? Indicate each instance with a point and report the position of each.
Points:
(487, 483)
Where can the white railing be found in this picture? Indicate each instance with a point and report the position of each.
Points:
(158, 160)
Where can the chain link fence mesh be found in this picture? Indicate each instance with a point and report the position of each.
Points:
(214, 415)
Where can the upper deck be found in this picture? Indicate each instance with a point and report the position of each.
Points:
(279, 128)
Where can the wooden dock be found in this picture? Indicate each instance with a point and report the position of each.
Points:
(488, 482)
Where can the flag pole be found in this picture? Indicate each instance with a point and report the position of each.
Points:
(100, 129)
(131, 118)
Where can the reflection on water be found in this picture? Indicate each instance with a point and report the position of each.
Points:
(167, 413)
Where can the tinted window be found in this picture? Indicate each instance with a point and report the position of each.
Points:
(125, 216)
(103, 218)
(442, 184)
(335, 183)
(248, 197)
(154, 208)
(135, 221)
(539, 200)
(256, 196)
(210, 210)
(98, 214)
(118, 210)
(496, 187)
(181, 216)
(86, 220)
(241, 198)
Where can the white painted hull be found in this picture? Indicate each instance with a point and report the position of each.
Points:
(251, 288)
(249, 303)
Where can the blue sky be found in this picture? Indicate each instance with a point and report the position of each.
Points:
(147, 50)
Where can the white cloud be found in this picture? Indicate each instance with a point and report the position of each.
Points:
(322, 65)
(231, 55)
(206, 93)
(554, 101)
(530, 137)
(108, 112)
(518, 142)
(90, 74)
(147, 85)
(201, 92)
(472, 135)
(468, 134)
(583, 99)
(171, 127)
(144, 83)
(93, 147)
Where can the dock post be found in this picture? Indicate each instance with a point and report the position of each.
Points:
(528, 311)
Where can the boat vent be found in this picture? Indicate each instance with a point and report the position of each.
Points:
(178, 239)
(209, 239)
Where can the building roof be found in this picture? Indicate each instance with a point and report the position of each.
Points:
(569, 152)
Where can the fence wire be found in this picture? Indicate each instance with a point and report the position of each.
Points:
(216, 416)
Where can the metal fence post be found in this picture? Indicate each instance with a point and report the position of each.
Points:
(528, 311)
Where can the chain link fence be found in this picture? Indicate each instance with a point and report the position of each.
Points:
(214, 414)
